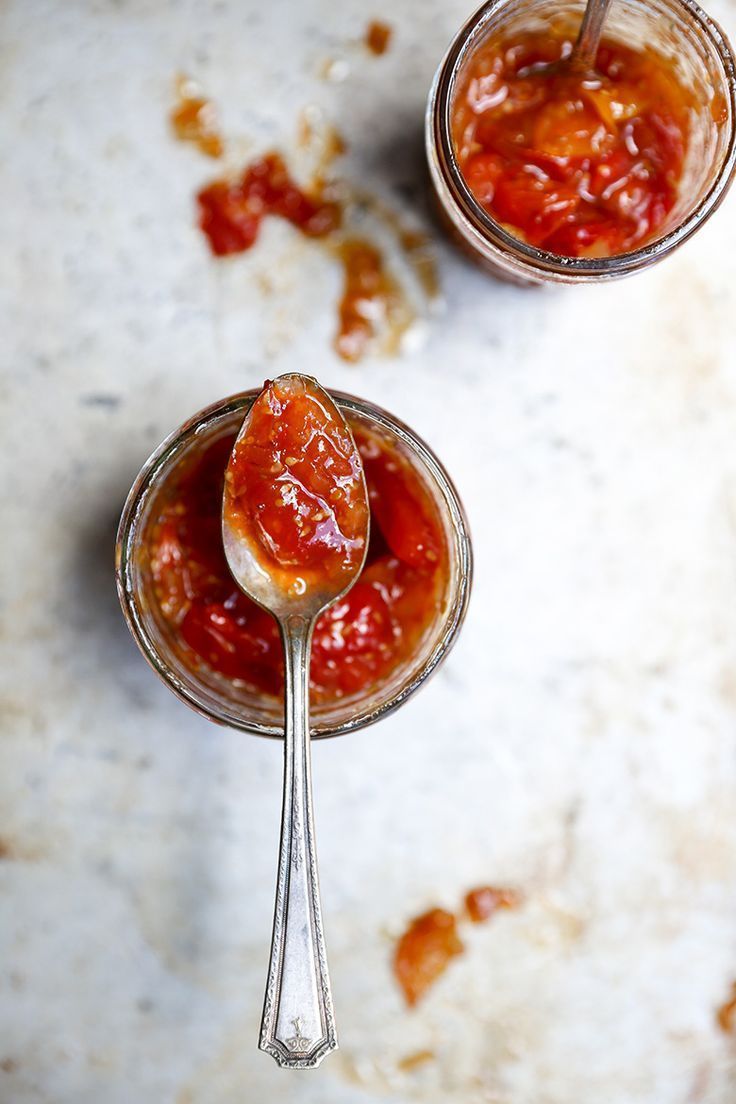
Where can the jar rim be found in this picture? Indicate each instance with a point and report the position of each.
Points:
(529, 259)
(127, 540)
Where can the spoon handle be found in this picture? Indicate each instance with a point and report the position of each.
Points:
(298, 1026)
(589, 36)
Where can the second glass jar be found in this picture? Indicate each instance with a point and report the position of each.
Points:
(701, 59)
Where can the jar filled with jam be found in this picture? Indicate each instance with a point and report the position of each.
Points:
(221, 652)
(546, 174)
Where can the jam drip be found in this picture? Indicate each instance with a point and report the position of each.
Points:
(231, 212)
(372, 301)
(194, 119)
(378, 37)
(431, 941)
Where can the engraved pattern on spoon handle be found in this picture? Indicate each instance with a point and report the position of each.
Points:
(298, 1027)
(589, 36)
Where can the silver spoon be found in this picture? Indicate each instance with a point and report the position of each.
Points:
(298, 1026)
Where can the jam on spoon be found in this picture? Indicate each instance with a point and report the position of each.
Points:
(295, 523)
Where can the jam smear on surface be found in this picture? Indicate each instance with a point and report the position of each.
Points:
(431, 940)
(294, 487)
(424, 951)
(372, 302)
(375, 310)
(481, 903)
(194, 119)
(322, 142)
(360, 640)
(416, 1059)
(231, 212)
(726, 1014)
(578, 165)
(378, 37)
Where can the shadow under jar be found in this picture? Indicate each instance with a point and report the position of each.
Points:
(699, 57)
(236, 701)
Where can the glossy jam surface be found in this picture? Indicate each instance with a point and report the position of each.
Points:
(231, 211)
(582, 166)
(294, 489)
(360, 640)
(424, 951)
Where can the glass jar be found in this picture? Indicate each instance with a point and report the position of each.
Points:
(703, 61)
(227, 701)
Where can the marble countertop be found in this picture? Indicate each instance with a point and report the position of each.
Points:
(580, 742)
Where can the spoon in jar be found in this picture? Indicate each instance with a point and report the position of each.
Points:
(583, 54)
(295, 523)
(582, 58)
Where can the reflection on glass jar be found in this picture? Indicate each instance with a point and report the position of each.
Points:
(220, 653)
(696, 54)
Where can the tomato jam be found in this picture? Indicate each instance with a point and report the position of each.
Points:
(578, 165)
(231, 211)
(294, 488)
(361, 640)
(481, 903)
(424, 951)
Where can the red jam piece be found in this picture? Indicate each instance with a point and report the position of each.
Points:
(358, 642)
(294, 487)
(578, 165)
(424, 951)
(231, 212)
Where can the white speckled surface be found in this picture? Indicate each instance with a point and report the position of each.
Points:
(581, 741)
